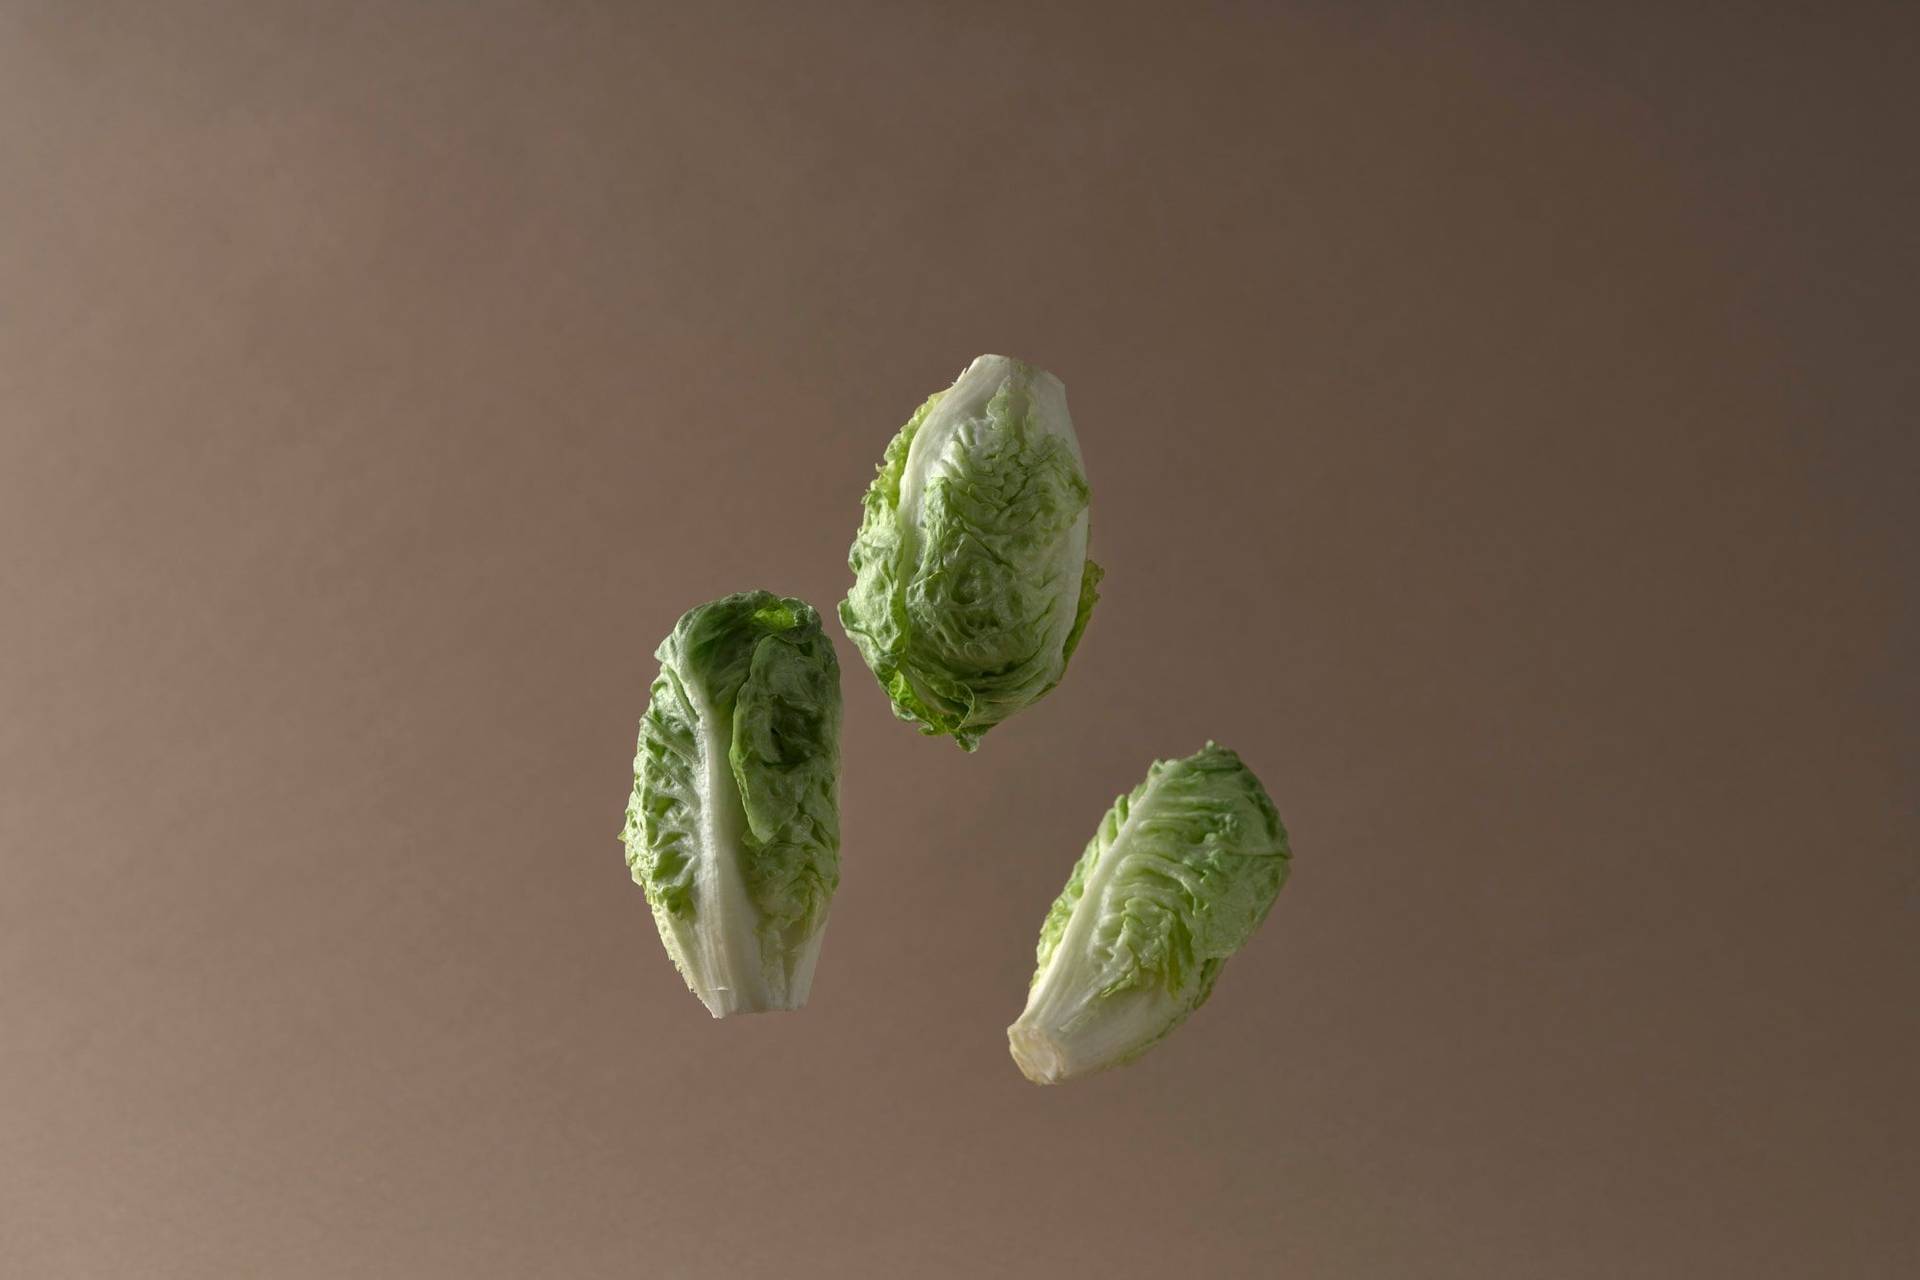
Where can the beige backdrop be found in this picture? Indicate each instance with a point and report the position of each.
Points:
(1500, 429)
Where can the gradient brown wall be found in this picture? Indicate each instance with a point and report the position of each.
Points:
(1500, 428)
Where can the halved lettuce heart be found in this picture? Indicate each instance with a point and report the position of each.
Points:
(971, 578)
(1179, 874)
(733, 825)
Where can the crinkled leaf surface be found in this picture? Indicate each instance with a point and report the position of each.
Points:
(1179, 874)
(972, 584)
(733, 823)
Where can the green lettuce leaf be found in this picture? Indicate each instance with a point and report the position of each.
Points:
(972, 584)
(1179, 874)
(733, 824)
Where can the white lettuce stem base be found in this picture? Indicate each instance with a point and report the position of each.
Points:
(1068, 1028)
(730, 975)
(1058, 1039)
(718, 950)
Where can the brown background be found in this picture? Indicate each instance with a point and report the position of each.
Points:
(1501, 433)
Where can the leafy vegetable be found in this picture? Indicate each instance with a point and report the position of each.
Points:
(971, 578)
(733, 828)
(1176, 879)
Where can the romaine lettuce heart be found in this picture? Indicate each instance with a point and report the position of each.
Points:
(1179, 874)
(733, 824)
(972, 584)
